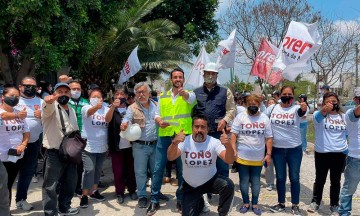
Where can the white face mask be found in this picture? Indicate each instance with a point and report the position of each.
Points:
(75, 94)
(94, 101)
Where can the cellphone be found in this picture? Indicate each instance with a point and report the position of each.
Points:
(13, 152)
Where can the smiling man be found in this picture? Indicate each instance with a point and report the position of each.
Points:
(199, 152)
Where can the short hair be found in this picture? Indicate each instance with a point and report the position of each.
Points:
(8, 87)
(200, 116)
(27, 77)
(121, 88)
(253, 97)
(75, 81)
(142, 84)
(178, 69)
(154, 93)
(96, 90)
(285, 87)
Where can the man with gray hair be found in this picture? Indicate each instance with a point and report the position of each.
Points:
(142, 112)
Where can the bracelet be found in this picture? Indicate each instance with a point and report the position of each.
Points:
(268, 154)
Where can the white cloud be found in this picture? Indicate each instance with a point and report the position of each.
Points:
(344, 26)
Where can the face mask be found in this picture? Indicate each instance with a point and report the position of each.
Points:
(286, 99)
(209, 80)
(335, 107)
(63, 100)
(11, 101)
(94, 101)
(253, 110)
(75, 94)
(29, 91)
(122, 100)
(39, 91)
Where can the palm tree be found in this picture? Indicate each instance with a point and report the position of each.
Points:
(157, 49)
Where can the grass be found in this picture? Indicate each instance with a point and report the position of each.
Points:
(310, 136)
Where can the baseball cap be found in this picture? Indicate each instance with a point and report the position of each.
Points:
(327, 87)
(357, 92)
(58, 85)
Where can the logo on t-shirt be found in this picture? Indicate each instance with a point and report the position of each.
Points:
(283, 120)
(254, 128)
(98, 121)
(14, 126)
(336, 124)
(198, 159)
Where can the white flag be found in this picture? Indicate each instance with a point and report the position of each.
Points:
(301, 41)
(131, 67)
(228, 50)
(196, 77)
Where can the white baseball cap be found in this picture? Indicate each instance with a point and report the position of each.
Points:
(211, 67)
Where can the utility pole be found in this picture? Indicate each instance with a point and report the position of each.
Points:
(356, 64)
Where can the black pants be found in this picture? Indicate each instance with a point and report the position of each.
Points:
(324, 162)
(193, 202)
(12, 170)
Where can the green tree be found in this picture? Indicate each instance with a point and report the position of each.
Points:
(239, 86)
(41, 36)
(157, 49)
(196, 19)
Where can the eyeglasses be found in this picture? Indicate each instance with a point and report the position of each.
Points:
(141, 92)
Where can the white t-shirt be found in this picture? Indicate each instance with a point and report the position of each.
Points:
(124, 143)
(330, 133)
(96, 129)
(285, 124)
(34, 124)
(251, 131)
(199, 159)
(353, 127)
(11, 135)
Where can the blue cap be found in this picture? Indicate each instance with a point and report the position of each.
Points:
(61, 85)
(327, 87)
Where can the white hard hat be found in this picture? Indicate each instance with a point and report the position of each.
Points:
(211, 66)
(132, 132)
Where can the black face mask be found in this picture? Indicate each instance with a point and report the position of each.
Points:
(63, 100)
(29, 91)
(286, 99)
(122, 100)
(335, 107)
(11, 101)
(253, 110)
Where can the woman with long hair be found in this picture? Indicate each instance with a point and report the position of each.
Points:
(330, 150)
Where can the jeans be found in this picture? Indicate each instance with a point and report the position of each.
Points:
(292, 158)
(249, 174)
(333, 161)
(160, 163)
(4, 202)
(27, 165)
(144, 156)
(54, 170)
(93, 163)
(123, 169)
(352, 179)
(221, 166)
(193, 201)
(303, 131)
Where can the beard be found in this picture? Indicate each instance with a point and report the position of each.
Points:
(177, 84)
(199, 137)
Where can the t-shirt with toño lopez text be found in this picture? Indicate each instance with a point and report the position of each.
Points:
(199, 159)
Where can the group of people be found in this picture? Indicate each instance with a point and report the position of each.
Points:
(204, 131)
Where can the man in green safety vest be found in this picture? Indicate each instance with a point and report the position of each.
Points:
(173, 114)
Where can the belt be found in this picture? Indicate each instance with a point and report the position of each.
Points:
(145, 142)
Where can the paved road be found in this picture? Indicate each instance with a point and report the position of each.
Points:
(267, 198)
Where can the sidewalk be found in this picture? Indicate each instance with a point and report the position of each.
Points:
(267, 198)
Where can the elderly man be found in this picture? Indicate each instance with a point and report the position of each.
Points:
(142, 112)
(28, 164)
(198, 155)
(352, 169)
(54, 167)
(172, 115)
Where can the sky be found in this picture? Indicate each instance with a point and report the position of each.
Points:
(344, 10)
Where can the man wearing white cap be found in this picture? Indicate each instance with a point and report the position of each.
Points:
(352, 169)
(217, 104)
